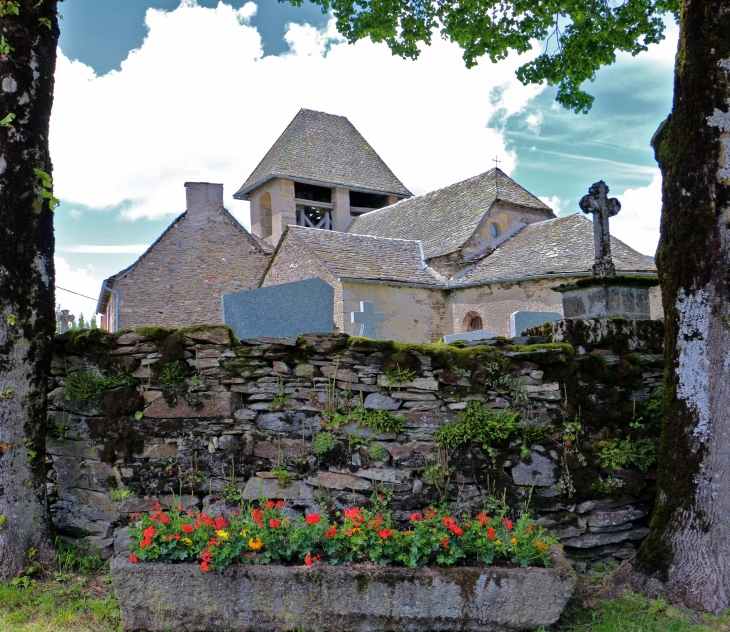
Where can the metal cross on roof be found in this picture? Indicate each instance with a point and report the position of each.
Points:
(367, 319)
(496, 162)
(598, 203)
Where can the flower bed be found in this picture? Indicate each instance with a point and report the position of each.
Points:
(266, 534)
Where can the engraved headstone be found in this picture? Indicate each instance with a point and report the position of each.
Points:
(286, 310)
(367, 318)
(519, 321)
(602, 207)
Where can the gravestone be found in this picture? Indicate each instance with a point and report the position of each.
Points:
(519, 321)
(367, 318)
(286, 310)
(64, 320)
(605, 295)
(481, 334)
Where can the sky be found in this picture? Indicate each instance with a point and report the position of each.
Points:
(150, 95)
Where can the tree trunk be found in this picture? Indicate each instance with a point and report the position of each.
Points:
(687, 553)
(27, 319)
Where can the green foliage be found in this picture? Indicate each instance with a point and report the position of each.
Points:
(479, 424)
(11, 319)
(577, 39)
(323, 443)
(9, 7)
(399, 376)
(84, 385)
(282, 475)
(281, 400)
(46, 188)
(45, 22)
(173, 375)
(7, 121)
(381, 421)
(378, 453)
(122, 493)
(70, 559)
(7, 393)
(619, 454)
(232, 493)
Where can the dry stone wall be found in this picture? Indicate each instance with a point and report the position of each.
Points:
(196, 413)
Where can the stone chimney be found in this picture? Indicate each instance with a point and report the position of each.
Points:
(204, 201)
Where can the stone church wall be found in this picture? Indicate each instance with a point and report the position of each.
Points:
(428, 315)
(204, 254)
(214, 419)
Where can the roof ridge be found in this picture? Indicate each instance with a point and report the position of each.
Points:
(339, 232)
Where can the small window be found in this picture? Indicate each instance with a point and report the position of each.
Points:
(494, 230)
(473, 322)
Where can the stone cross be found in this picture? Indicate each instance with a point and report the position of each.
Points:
(64, 320)
(367, 319)
(598, 203)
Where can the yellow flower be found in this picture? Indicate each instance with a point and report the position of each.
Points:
(223, 535)
(255, 544)
(187, 541)
(514, 540)
(498, 542)
(244, 533)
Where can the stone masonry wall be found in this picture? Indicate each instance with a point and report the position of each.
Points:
(209, 418)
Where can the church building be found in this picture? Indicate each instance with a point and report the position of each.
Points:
(324, 205)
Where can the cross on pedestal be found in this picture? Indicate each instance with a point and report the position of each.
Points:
(367, 319)
(64, 320)
(598, 203)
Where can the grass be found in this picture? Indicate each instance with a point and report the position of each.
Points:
(61, 598)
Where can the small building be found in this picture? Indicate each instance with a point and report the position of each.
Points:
(181, 277)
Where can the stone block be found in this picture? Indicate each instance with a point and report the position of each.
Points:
(325, 343)
(608, 518)
(589, 540)
(607, 301)
(288, 309)
(422, 383)
(305, 370)
(334, 598)
(519, 321)
(540, 471)
(292, 423)
(77, 449)
(132, 338)
(332, 480)
(469, 336)
(158, 451)
(270, 449)
(210, 335)
(213, 405)
(343, 375)
(269, 488)
(378, 401)
(398, 477)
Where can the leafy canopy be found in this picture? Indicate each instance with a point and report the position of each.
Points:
(577, 37)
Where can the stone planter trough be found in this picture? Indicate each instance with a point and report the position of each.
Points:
(361, 598)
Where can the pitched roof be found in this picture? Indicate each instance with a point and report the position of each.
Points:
(555, 246)
(445, 219)
(365, 257)
(322, 148)
(109, 283)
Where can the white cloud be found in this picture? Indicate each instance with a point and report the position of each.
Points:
(637, 224)
(555, 203)
(81, 281)
(128, 249)
(199, 102)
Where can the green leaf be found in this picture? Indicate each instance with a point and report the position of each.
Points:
(3, 518)
(6, 122)
(45, 22)
(138, 415)
(9, 7)
(11, 319)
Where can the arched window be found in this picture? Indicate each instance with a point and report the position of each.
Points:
(473, 322)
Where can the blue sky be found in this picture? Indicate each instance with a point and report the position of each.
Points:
(152, 94)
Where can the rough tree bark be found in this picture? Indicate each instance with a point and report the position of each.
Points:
(687, 553)
(27, 64)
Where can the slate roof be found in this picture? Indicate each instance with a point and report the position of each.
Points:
(555, 246)
(325, 149)
(446, 218)
(366, 257)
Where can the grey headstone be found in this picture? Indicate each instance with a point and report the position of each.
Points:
(367, 318)
(482, 334)
(519, 321)
(286, 310)
(610, 301)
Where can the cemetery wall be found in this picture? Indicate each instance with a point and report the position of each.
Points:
(194, 412)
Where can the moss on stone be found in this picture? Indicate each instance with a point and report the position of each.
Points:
(548, 353)
(622, 281)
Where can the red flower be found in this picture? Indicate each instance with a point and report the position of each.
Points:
(274, 524)
(149, 532)
(445, 542)
(270, 504)
(491, 533)
(386, 533)
(483, 518)
(258, 516)
(313, 518)
(352, 513)
(165, 519)
(280, 504)
(204, 566)
(308, 559)
(430, 513)
(220, 523)
(530, 529)
(145, 542)
(456, 529)
(133, 559)
(416, 516)
(508, 524)
(179, 507)
(467, 525)
(205, 555)
(188, 528)
(379, 520)
(331, 533)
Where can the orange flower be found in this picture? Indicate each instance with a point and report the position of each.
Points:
(514, 541)
(255, 544)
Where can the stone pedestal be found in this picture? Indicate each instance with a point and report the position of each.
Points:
(607, 297)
